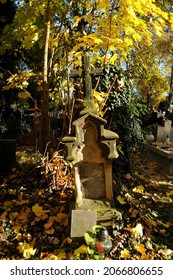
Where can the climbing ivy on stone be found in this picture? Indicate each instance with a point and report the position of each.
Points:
(121, 114)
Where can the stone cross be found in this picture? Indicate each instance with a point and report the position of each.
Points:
(91, 151)
(86, 73)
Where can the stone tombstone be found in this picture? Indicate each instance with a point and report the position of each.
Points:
(165, 130)
(91, 150)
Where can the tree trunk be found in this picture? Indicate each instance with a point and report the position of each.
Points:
(44, 133)
(171, 88)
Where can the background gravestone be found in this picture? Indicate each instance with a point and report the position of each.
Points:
(166, 129)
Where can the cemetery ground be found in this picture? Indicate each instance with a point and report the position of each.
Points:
(35, 207)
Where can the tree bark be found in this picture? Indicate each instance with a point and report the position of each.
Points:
(171, 88)
(44, 133)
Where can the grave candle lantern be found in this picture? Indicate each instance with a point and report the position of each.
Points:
(102, 243)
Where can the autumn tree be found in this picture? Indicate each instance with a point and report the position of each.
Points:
(111, 31)
(10, 60)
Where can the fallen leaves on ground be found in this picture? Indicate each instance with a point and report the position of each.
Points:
(34, 217)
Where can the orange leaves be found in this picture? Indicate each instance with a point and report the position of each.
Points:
(1, 229)
(33, 218)
(62, 219)
(50, 231)
(140, 248)
(13, 215)
(150, 223)
(48, 225)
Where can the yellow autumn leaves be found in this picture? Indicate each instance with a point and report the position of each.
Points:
(38, 210)
(125, 254)
(41, 214)
(27, 249)
(137, 232)
(18, 220)
(137, 189)
(131, 23)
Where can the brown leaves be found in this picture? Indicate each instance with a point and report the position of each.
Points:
(128, 176)
(56, 170)
(33, 218)
(62, 219)
(133, 212)
(1, 229)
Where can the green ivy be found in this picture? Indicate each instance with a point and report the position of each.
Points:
(122, 116)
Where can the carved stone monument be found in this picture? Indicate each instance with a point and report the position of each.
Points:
(91, 151)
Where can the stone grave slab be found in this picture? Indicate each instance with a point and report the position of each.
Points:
(163, 158)
(82, 221)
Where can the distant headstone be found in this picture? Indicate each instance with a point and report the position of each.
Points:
(166, 131)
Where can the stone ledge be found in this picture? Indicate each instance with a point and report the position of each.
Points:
(107, 215)
(164, 159)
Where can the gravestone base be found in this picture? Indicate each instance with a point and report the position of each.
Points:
(101, 213)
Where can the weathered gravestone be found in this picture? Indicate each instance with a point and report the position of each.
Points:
(166, 131)
(91, 151)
